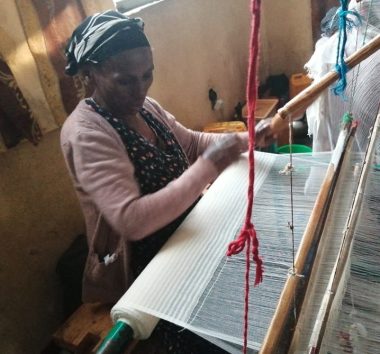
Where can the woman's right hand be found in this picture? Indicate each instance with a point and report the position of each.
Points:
(224, 151)
(264, 134)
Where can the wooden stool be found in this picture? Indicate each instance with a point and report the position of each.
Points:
(85, 329)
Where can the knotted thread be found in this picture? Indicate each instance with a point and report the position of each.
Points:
(347, 118)
(248, 235)
(345, 23)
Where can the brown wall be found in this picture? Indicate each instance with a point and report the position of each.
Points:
(318, 11)
(39, 217)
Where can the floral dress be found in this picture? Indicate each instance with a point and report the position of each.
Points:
(156, 166)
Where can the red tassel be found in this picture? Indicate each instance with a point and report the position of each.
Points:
(248, 233)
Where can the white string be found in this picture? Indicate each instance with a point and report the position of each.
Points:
(357, 325)
(357, 68)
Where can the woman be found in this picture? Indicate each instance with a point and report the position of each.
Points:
(136, 170)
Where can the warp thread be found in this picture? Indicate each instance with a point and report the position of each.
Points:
(248, 235)
(345, 23)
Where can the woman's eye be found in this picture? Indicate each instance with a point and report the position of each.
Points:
(125, 82)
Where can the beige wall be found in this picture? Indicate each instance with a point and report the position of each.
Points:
(201, 44)
(198, 44)
(286, 37)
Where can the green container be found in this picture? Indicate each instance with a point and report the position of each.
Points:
(296, 149)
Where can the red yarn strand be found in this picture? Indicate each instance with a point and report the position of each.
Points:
(248, 232)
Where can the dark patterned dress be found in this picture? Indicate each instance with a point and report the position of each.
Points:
(156, 166)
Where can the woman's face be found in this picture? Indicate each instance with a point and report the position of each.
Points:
(122, 81)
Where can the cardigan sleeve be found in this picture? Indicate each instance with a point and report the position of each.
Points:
(104, 173)
(193, 142)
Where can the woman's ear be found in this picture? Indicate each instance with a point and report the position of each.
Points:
(86, 80)
(86, 73)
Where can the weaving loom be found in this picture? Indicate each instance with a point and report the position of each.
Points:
(193, 284)
(198, 289)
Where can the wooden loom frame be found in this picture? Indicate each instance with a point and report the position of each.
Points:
(280, 333)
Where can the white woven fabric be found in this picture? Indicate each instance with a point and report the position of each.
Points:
(178, 274)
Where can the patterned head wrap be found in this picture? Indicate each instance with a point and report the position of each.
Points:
(101, 36)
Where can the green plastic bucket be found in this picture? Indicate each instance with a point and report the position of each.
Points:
(296, 149)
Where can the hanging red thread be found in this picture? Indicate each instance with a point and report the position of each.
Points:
(248, 233)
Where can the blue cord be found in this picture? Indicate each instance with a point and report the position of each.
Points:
(345, 23)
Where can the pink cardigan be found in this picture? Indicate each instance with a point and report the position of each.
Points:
(115, 212)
